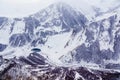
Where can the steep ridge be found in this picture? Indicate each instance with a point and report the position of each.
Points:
(36, 29)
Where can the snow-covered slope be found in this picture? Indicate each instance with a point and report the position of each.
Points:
(63, 34)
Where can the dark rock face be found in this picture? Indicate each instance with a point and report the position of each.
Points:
(117, 46)
(66, 15)
(95, 50)
(104, 54)
(2, 47)
(83, 54)
(92, 54)
(1, 60)
(19, 39)
(33, 59)
(30, 25)
(36, 58)
(37, 41)
(112, 66)
(2, 20)
(71, 17)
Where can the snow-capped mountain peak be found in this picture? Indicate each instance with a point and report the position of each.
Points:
(60, 43)
(60, 30)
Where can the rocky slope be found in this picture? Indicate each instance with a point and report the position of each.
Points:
(36, 67)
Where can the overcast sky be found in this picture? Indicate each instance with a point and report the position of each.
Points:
(20, 8)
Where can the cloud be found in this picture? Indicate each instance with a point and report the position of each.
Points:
(20, 8)
(20, 1)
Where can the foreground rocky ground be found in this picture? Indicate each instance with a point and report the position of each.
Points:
(35, 67)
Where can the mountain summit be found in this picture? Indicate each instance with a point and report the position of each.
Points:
(60, 30)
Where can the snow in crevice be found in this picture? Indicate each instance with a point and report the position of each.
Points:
(78, 76)
(19, 27)
(5, 32)
(11, 52)
(105, 16)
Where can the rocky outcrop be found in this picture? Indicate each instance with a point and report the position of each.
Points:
(34, 69)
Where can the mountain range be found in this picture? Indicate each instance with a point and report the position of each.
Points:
(65, 37)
